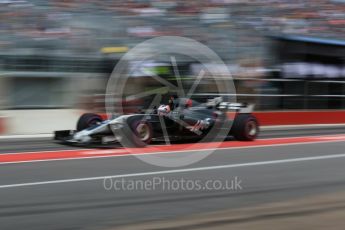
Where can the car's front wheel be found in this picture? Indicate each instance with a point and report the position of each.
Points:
(88, 120)
(139, 133)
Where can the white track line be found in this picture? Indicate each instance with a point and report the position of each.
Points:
(259, 163)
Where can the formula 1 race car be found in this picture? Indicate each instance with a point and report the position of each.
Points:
(182, 119)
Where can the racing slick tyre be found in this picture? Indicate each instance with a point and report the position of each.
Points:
(139, 133)
(88, 120)
(245, 127)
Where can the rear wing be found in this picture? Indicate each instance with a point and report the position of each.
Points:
(230, 106)
(237, 107)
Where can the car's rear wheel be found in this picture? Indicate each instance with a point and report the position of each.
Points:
(88, 120)
(245, 127)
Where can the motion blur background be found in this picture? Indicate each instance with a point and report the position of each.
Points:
(57, 55)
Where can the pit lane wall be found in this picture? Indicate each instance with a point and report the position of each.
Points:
(300, 117)
(30, 122)
(2, 125)
(27, 122)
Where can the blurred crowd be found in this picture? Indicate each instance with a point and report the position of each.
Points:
(235, 29)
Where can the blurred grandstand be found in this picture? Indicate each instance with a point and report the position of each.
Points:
(51, 52)
(227, 26)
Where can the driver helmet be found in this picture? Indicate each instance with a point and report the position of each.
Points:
(163, 109)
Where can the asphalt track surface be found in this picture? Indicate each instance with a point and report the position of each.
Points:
(72, 194)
